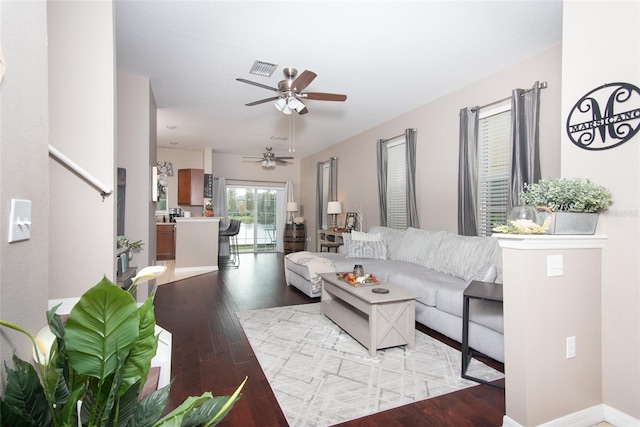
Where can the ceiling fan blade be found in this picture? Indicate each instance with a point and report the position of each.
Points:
(319, 96)
(262, 101)
(284, 158)
(252, 157)
(280, 161)
(303, 80)
(257, 84)
(305, 110)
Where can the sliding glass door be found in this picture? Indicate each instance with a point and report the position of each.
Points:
(256, 208)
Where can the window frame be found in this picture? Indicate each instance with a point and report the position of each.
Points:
(492, 210)
(396, 214)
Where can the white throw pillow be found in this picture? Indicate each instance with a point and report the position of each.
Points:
(365, 237)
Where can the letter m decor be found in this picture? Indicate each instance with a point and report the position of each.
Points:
(606, 117)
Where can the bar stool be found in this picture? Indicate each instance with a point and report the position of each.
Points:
(234, 254)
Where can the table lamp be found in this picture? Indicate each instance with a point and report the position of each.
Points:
(291, 208)
(334, 209)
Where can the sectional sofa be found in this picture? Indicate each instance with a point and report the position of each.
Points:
(436, 265)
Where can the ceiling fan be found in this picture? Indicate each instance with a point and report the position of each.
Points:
(290, 93)
(269, 159)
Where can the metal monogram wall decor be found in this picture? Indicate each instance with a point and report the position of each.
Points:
(606, 117)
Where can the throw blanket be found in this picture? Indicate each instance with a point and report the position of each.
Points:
(314, 264)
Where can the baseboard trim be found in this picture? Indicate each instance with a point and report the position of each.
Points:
(586, 417)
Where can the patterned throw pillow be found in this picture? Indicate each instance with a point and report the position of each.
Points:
(365, 249)
(366, 237)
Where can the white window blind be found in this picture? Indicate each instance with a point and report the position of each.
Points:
(396, 184)
(493, 168)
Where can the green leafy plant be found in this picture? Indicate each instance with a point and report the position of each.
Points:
(566, 195)
(101, 358)
(123, 242)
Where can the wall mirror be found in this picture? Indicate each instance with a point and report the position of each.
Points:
(327, 190)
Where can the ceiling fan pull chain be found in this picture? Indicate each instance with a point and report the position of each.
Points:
(292, 133)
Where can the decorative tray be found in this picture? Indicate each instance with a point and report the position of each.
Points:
(366, 280)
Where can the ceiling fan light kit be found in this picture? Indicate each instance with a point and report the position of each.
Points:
(290, 93)
(269, 159)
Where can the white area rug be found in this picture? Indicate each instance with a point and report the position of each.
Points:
(321, 376)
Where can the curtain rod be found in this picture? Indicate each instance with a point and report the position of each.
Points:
(397, 136)
(253, 180)
(541, 85)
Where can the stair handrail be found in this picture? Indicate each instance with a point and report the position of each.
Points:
(78, 170)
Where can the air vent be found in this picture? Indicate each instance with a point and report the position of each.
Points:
(261, 68)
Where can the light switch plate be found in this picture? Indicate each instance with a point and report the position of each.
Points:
(554, 266)
(20, 220)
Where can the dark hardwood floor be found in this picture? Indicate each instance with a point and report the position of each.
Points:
(211, 353)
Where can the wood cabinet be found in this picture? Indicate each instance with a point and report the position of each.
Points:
(294, 238)
(165, 241)
(191, 187)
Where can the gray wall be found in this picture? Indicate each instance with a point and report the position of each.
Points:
(137, 148)
(615, 47)
(437, 148)
(24, 165)
(82, 126)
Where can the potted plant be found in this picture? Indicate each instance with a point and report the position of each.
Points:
(574, 203)
(92, 368)
(208, 209)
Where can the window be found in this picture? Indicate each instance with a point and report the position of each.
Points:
(494, 160)
(396, 183)
(256, 208)
(163, 186)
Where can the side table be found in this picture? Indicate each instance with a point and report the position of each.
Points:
(486, 291)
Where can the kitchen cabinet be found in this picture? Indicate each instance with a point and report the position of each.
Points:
(191, 187)
(165, 241)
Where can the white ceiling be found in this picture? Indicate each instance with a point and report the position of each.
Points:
(387, 57)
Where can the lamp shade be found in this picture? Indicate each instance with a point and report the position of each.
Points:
(334, 208)
(292, 206)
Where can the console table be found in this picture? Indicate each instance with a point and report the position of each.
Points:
(328, 239)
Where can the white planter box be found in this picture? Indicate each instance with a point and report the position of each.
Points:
(570, 222)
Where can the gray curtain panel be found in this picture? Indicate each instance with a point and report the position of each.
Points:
(319, 208)
(382, 181)
(333, 178)
(468, 172)
(412, 208)
(525, 140)
(219, 204)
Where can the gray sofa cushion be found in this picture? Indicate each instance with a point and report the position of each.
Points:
(420, 246)
(392, 237)
(425, 282)
(465, 256)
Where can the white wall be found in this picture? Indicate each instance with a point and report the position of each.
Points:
(137, 147)
(82, 126)
(24, 165)
(601, 44)
(437, 149)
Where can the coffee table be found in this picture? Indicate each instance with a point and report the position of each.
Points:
(375, 320)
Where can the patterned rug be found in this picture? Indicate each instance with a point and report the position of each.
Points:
(321, 376)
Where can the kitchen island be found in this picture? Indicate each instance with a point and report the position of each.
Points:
(197, 243)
